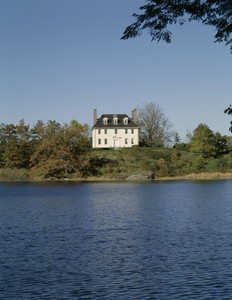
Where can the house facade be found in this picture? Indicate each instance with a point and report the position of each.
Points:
(115, 130)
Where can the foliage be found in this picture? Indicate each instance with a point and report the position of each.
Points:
(132, 161)
(203, 141)
(218, 165)
(157, 16)
(61, 150)
(164, 154)
(176, 138)
(228, 111)
(229, 143)
(15, 145)
(163, 168)
(182, 146)
(37, 133)
(51, 150)
(189, 136)
(221, 143)
(199, 164)
(175, 155)
(14, 174)
(162, 162)
(155, 128)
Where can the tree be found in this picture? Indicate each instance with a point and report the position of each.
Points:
(155, 128)
(9, 146)
(16, 147)
(221, 143)
(189, 136)
(37, 133)
(176, 138)
(158, 15)
(61, 150)
(229, 142)
(203, 141)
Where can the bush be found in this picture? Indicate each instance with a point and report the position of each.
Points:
(14, 174)
(175, 155)
(199, 164)
(218, 165)
(182, 147)
(166, 155)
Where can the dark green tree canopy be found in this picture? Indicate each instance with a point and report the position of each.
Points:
(158, 15)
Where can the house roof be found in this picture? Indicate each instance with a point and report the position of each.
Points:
(110, 124)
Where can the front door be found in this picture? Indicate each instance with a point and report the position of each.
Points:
(116, 143)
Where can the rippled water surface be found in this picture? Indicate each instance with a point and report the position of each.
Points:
(169, 240)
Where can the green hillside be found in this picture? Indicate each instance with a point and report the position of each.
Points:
(163, 162)
(110, 164)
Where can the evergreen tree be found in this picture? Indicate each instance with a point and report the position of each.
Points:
(17, 145)
(37, 133)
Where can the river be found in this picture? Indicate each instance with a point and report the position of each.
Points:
(165, 240)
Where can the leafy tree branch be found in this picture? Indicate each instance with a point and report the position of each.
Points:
(156, 17)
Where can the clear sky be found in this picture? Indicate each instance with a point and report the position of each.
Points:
(60, 59)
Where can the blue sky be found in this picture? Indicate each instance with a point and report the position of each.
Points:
(60, 59)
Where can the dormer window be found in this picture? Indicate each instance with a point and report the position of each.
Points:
(115, 121)
(125, 121)
(105, 121)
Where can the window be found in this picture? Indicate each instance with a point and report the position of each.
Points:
(125, 120)
(115, 120)
(126, 131)
(99, 141)
(105, 131)
(126, 142)
(99, 131)
(115, 131)
(105, 141)
(132, 131)
(105, 121)
(132, 141)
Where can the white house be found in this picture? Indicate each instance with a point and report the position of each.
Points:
(115, 130)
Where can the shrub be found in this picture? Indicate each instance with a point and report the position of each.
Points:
(175, 155)
(199, 164)
(182, 147)
(166, 155)
(218, 165)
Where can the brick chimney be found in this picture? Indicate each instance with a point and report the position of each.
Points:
(134, 115)
(94, 116)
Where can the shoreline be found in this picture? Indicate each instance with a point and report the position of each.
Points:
(188, 177)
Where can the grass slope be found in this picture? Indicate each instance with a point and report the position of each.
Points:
(163, 162)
